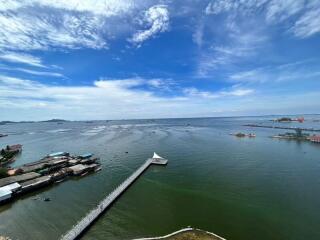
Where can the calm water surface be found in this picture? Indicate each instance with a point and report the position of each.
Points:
(258, 188)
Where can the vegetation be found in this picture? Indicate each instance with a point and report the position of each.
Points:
(284, 119)
(7, 154)
(240, 135)
(3, 172)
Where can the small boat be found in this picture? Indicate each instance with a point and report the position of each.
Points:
(83, 174)
(98, 169)
(46, 199)
(59, 181)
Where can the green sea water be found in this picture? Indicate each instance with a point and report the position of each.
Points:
(248, 188)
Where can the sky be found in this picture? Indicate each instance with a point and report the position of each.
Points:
(125, 59)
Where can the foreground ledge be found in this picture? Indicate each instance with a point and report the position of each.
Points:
(188, 233)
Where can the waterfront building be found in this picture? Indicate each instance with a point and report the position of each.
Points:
(315, 138)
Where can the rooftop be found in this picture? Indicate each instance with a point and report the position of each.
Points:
(18, 178)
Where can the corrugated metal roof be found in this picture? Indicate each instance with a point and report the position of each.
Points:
(18, 178)
(12, 187)
(5, 193)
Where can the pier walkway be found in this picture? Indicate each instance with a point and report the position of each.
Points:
(85, 222)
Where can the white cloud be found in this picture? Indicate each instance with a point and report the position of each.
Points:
(44, 24)
(278, 11)
(255, 75)
(198, 34)
(16, 83)
(29, 61)
(104, 99)
(221, 6)
(243, 43)
(246, 30)
(101, 7)
(238, 92)
(157, 19)
(32, 72)
(308, 24)
(302, 16)
(281, 73)
(32, 30)
(21, 58)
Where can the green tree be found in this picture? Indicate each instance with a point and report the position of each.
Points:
(3, 172)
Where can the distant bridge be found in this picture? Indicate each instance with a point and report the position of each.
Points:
(88, 220)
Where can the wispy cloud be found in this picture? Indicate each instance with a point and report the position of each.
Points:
(238, 92)
(240, 45)
(104, 7)
(32, 29)
(301, 70)
(278, 11)
(16, 83)
(23, 58)
(32, 72)
(303, 15)
(308, 24)
(222, 6)
(44, 24)
(157, 20)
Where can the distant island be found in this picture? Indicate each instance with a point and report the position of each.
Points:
(51, 120)
(6, 122)
(55, 120)
(288, 119)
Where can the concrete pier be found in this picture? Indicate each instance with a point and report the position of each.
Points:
(86, 222)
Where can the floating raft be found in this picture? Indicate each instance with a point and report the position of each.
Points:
(78, 229)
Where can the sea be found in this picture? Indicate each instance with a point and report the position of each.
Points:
(239, 188)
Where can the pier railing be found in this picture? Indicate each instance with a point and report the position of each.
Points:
(85, 222)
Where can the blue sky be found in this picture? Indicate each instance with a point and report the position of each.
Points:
(118, 59)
